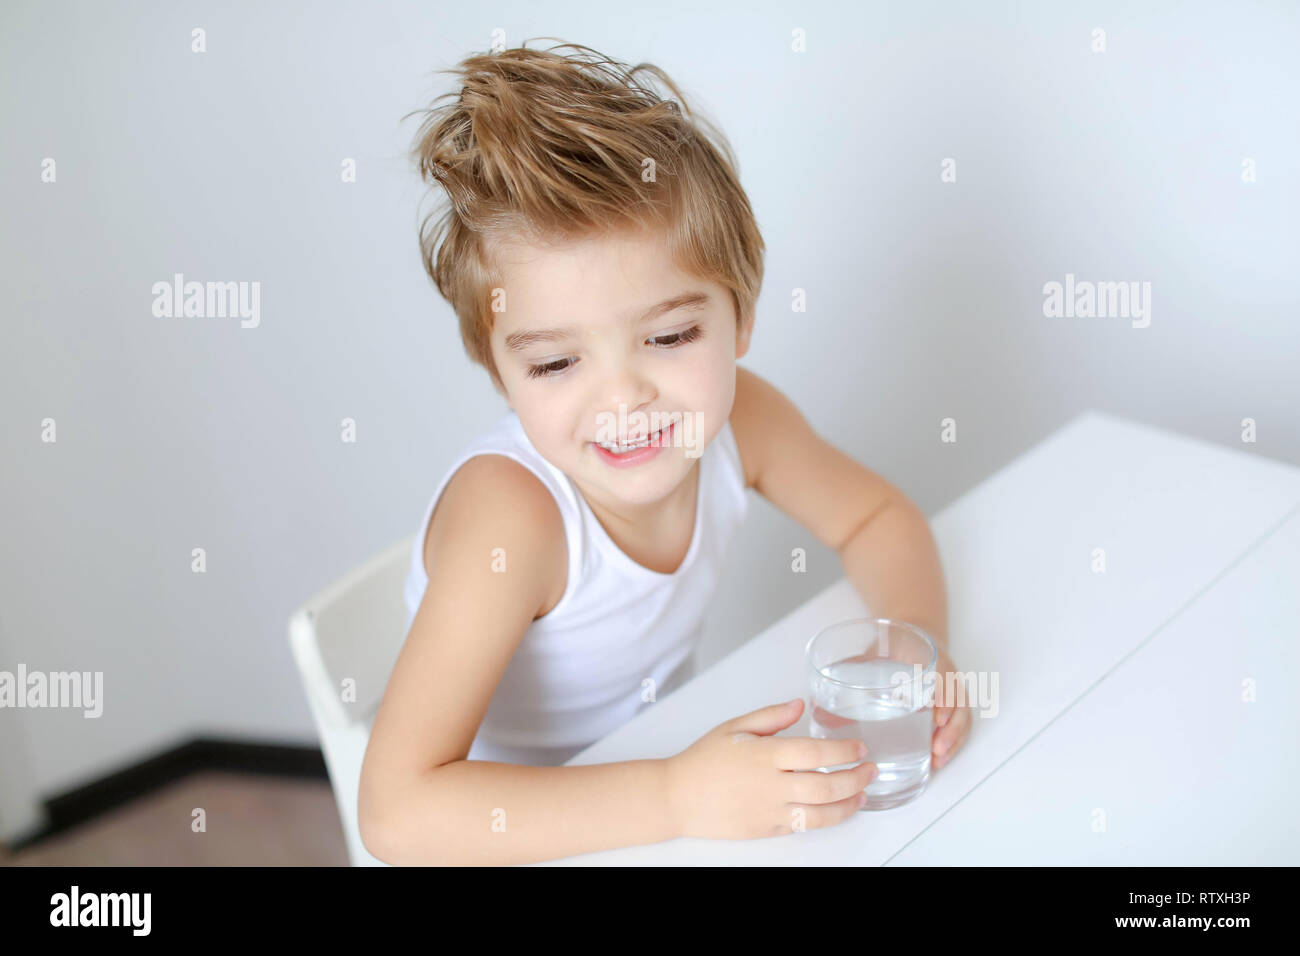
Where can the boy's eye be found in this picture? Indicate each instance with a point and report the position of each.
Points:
(550, 368)
(680, 338)
(671, 341)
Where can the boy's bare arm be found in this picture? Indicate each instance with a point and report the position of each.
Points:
(476, 812)
(883, 539)
(420, 800)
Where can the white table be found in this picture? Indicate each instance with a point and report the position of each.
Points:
(1122, 735)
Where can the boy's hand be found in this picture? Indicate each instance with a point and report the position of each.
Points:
(952, 723)
(740, 781)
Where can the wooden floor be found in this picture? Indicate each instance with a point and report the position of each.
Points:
(251, 821)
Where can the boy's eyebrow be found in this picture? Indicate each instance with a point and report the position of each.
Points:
(518, 341)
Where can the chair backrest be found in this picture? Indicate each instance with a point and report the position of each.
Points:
(352, 631)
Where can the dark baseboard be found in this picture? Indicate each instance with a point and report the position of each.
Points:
(67, 810)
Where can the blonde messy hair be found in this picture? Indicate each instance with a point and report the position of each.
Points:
(542, 147)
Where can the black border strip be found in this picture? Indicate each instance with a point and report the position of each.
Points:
(75, 807)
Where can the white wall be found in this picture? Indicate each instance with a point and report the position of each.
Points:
(925, 298)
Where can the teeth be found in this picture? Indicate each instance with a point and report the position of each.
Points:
(623, 448)
(618, 448)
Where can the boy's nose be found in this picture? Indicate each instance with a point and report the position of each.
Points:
(629, 390)
(620, 419)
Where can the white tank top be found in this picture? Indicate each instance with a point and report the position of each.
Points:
(578, 672)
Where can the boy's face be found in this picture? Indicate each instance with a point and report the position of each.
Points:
(614, 375)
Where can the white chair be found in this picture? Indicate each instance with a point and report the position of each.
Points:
(354, 629)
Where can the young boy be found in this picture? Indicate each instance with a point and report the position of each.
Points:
(604, 262)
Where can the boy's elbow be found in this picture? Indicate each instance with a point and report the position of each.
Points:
(377, 821)
(386, 843)
(386, 831)
(375, 837)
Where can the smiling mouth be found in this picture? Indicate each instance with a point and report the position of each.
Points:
(620, 448)
(641, 444)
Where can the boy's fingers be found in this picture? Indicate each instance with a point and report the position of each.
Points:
(947, 737)
(939, 745)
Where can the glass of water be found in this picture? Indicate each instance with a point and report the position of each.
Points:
(873, 679)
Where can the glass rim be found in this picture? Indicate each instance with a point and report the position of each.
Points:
(925, 635)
